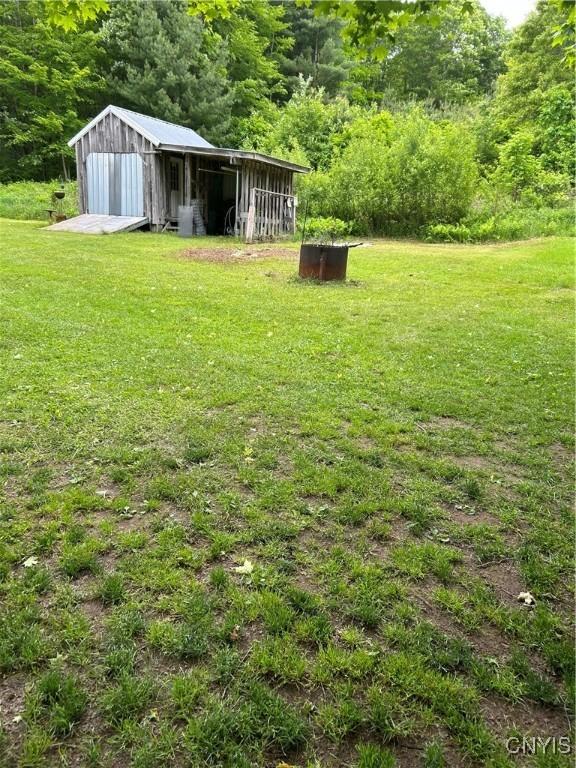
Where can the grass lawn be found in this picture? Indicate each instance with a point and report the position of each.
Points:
(250, 521)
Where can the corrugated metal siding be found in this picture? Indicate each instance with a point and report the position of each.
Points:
(98, 182)
(115, 183)
(132, 185)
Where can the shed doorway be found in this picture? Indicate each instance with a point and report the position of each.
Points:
(115, 184)
(221, 191)
(175, 185)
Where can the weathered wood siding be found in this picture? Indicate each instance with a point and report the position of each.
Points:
(270, 218)
(112, 135)
(196, 180)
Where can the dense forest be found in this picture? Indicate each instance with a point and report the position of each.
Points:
(459, 130)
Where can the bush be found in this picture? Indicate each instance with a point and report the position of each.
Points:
(448, 233)
(415, 173)
(555, 130)
(326, 229)
(306, 130)
(29, 200)
(411, 174)
(521, 174)
(517, 223)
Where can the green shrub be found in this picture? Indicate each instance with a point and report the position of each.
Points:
(448, 233)
(396, 182)
(420, 177)
(326, 229)
(30, 199)
(306, 130)
(521, 174)
(518, 222)
(555, 130)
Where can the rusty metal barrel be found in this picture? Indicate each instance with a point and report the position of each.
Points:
(323, 262)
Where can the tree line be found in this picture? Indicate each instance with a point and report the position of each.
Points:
(446, 126)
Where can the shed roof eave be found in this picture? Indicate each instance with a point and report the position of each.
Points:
(111, 109)
(237, 154)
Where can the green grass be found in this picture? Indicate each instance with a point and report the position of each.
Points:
(30, 200)
(393, 456)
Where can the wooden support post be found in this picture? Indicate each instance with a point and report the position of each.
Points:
(267, 206)
(187, 178)
(251, 216)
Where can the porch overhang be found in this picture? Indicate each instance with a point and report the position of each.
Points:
(234, 156)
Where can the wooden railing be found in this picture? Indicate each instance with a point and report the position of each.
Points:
(270, 215)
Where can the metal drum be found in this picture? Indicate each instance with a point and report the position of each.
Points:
(323, 262)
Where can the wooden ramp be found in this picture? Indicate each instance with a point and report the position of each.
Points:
(98, 224)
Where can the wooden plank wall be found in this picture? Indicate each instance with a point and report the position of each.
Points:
(112, 135)
(270, 219)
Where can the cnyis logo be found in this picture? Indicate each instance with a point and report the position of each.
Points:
(533, 745)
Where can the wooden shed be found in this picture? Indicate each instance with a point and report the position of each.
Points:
(135, 166)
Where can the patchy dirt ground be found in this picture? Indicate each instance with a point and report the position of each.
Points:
(244, 254)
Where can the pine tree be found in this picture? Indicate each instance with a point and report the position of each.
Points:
(164, 63)
(318, 51)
